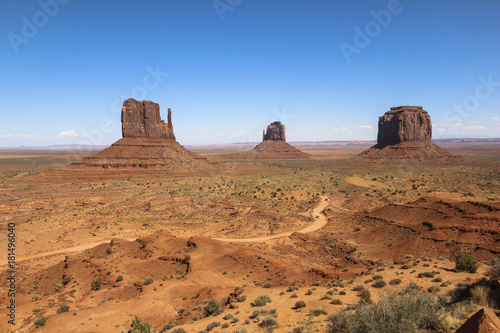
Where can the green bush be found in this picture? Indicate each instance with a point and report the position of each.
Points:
(379, 284)
(358, 287)
(40, 321)
(140, 326)
(268, 322)
(148, 281)
(465, 262)
(409, 313)
(212, 307)
(300, 304)
(395, 282)
(213, 325)
(317, 311)
(119, 278)
(63, 307)
(261, 300)
(336, 301)
(96, 283)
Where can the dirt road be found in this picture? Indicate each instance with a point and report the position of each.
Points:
(317, 224)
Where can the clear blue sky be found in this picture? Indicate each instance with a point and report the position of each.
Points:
(236, 65)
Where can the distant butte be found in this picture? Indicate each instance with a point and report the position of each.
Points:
(148, 142)
(273, 146)
(404, 133)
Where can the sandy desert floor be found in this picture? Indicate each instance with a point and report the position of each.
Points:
(113, 245)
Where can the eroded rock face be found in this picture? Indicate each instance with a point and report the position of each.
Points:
(141, 119)
(275, 132)
(404, 124)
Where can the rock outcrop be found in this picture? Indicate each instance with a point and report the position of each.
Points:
(275, 132)
(141, 119)
(404, 124)
(272, 147)
(148, 142)
(404, 133)
(483, 321)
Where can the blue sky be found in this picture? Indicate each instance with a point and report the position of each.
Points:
(227, 68)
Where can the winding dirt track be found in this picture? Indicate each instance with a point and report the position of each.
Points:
(316, 225)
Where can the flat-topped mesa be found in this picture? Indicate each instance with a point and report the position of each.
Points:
(404, 124)
(141, 119)
(275, 132)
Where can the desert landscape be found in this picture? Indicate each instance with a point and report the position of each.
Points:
(232, 166)
(148, 236)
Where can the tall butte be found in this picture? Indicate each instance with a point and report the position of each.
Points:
(404, 133)
(274, 146)
(148, 142)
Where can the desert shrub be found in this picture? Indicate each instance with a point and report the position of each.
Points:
(426, 274)
(480, 295)
(140, 326)
(212, 307)
(40, 321)
(340, 322)
(342, 293)
(494, 271)
(96, 283)
(148, 281)
(409, 313)
(37, 310)
(298, 330)
(225, 325)
(365, 297)
(119, 278)
(309, 292)
(268, 322)
(433, 288)
(242, 298)
(235, 320)
(317, 311)
(255, 314)
(379, 284)
(395, 282)
(166, 328)
(292, 288)
(300, 304)
(405, 266)
(63, 307)
(465, 262)
(213, 325)
(358, 287)
(377, 276)
(336, 301)
(370, 280)
(261, 300)
(240, 329)
(437, 280)
(179, 330)
(411, 287)
(227, 316)
(316, 284)
(268, 285)
(294, 296)
(326, 296)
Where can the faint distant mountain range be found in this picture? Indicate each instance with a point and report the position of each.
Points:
(249, 145)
